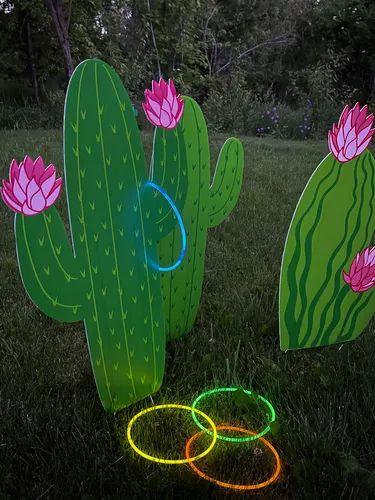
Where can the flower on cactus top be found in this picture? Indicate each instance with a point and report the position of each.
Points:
(351, 136)
(163, 107)
(32, 187)
(361, 275)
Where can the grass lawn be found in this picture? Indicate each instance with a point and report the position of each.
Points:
(57, 442)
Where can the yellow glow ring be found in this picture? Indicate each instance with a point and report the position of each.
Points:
(164, 460)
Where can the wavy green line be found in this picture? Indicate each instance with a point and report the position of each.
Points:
(349, 250)
(308, 249)
(334, 254)
(346, 336)
(289, 316)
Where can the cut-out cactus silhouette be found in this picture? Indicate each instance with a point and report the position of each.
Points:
(106, 280)
(333, 221)
(205, 206)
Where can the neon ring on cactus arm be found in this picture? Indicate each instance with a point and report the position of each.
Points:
(232, 486)
(164, 460)
(180, 223)
(234, 439)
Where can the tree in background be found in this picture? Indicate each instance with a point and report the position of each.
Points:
(235, 56)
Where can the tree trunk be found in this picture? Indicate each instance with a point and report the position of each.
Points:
(60, 22)
(31, 58)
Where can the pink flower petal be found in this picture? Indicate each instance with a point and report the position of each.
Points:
(174, 106)
(157, 91)
(341, 157)
(22, 178)
(331, 144)
(361, 116)
(362, 135)
(48, 184)
(29, 166)
(18, 192)
(26, 210)
(344, 115)
(39, 169)
(166, 107)
(180, 110)
(9, 202)
(13, 171)
(363, 146)
(368, 121)
(38, 202)
(154, 106)
(340, 138)
(54, 195)
(155, 120)
(346, 277)
(163, 87)
(165, 119)
(49, 171)
(347, 127)
(355, 113)
(172, 87)
(350, 151)
(32, 188)
(170, 95)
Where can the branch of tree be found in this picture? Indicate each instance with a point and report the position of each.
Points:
(154, 39)
(273, 41)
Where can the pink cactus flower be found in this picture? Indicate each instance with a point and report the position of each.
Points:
(32, 187)
(163, 107)
(361, 276)
(352, 135)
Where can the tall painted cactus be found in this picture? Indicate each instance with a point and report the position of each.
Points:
(334, 220)
(205, 206)
(106, 280)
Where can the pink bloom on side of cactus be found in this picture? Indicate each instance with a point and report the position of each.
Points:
(32, 187)
(351, 136)
(361, 276)
(163, 107)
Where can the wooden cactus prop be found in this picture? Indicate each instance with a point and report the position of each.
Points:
(205, 206)
(333, 221)
(107, 280)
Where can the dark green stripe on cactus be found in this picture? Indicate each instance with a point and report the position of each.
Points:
(334, 220)
(205, 206)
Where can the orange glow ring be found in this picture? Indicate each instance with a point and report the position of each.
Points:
(275, 475)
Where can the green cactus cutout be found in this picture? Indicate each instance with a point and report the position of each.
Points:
(205, 206)
(107, 280)
(334, 219)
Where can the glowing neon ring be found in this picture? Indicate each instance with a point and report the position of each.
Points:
(163, 460)
(180, 223)
(258, 486)
(252, 437)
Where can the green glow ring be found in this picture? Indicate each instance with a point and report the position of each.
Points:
(270, 410)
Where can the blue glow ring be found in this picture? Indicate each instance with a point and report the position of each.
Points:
(180, 223)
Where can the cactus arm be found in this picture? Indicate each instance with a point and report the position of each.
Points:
(169, 171)
(334, 219)
(48, 269)
(181, 288)
(226, 185)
